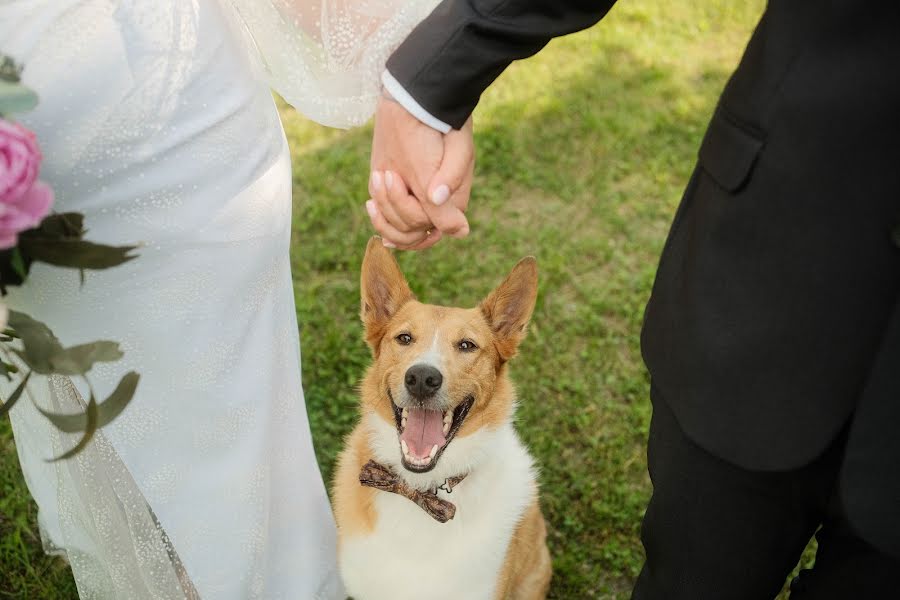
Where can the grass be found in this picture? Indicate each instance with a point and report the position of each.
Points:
(583, 153)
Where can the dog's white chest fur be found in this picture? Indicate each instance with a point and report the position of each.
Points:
(410, 556)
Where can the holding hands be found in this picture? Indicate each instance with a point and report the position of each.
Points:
(420, 179)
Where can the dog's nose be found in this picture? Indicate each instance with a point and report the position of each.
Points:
(423, 381)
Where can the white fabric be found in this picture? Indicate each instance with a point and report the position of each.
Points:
(399, 93)
(155, 123)
(325, 57)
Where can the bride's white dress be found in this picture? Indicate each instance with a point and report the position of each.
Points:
(156, 122)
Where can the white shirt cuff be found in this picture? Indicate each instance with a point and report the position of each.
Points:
(399, 94)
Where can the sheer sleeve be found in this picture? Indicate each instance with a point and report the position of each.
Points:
(325, 57)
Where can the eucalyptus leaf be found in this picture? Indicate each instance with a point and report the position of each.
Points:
(67, 423)
(17, 262)
(111, 408)
(61, 225)
(91, 416)
(17, 393)
(40, 345)
(75, 253)
(8, 369)
(9, 70)
(43, 352)
(78, 360)
(13, 268)
(58, 240)
(15, 97)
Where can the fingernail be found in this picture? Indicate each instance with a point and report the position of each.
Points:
(440, 195)
(388, 244)
(388, 179)
(371, 209)
(376, 179)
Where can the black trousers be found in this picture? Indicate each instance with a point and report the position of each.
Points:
(715, 531)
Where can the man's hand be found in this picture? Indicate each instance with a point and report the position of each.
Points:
(421, 179)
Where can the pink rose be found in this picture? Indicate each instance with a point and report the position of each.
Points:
(24, 201)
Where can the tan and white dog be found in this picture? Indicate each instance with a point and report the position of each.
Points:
(435, 495)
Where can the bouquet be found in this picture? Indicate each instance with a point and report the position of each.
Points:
(31, 232)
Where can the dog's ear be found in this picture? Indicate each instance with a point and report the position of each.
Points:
(383, 289)
(508, 308)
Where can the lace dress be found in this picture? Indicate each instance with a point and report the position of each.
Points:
(156, 122)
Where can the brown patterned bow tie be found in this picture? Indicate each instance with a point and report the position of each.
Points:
(383, 478)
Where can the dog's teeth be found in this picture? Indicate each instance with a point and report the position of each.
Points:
(448, 417)
(404, 447)
(405, 413)
(446, 427)
(403, 422)
(433, 452)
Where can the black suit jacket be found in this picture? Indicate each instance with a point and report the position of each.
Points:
(774, 319)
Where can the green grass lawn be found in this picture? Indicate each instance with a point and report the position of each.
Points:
(583, 152)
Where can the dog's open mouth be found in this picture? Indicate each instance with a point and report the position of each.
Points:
(424, 433)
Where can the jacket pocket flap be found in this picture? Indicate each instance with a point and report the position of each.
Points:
(729, 151)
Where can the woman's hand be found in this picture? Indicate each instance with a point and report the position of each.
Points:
(398, 215)
(421, 179)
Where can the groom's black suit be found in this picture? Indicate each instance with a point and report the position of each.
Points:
(773, 330)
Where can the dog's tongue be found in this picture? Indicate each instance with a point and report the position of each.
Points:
(424, 429)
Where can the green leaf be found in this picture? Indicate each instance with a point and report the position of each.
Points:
(18, 264)
(95, 416)
(60, 225)
(78, 360)
(111, 408)
(15, 97)
(8, 369)
(43, 352)
(9, 70)
(68, 423)
(74, 253)
(90, 428)
(40, 345)
(12, 263)
(58, 241)
(7, 406)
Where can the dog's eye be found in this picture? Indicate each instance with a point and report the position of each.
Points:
(467, 346)
(404, 338)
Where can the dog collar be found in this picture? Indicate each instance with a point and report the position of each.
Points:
(385, 479)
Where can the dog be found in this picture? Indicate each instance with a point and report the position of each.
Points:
(435, 496)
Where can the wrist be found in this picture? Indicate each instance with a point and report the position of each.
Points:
(386, 95)
(398, 94)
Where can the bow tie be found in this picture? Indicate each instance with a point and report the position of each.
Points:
(383, 478)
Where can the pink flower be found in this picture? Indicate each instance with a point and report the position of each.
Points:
(24, 201)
